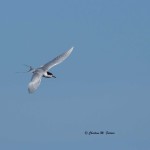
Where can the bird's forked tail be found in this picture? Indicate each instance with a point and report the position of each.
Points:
(31, 69)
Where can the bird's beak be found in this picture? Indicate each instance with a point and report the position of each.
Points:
(53, 76)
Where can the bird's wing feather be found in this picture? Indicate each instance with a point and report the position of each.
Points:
(35, 82)
(57, 60)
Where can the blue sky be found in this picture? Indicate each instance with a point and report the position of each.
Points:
(103, 86)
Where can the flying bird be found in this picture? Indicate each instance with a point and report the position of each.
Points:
(43, 71)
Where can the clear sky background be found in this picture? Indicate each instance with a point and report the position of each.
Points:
(103, 86)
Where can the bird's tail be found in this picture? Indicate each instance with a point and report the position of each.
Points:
(31, 69)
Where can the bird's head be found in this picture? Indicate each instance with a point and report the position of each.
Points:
(50, 75)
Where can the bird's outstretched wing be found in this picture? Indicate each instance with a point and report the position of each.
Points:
(57, 60)
(35, 82)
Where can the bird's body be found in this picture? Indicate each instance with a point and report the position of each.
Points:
(43, 71)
